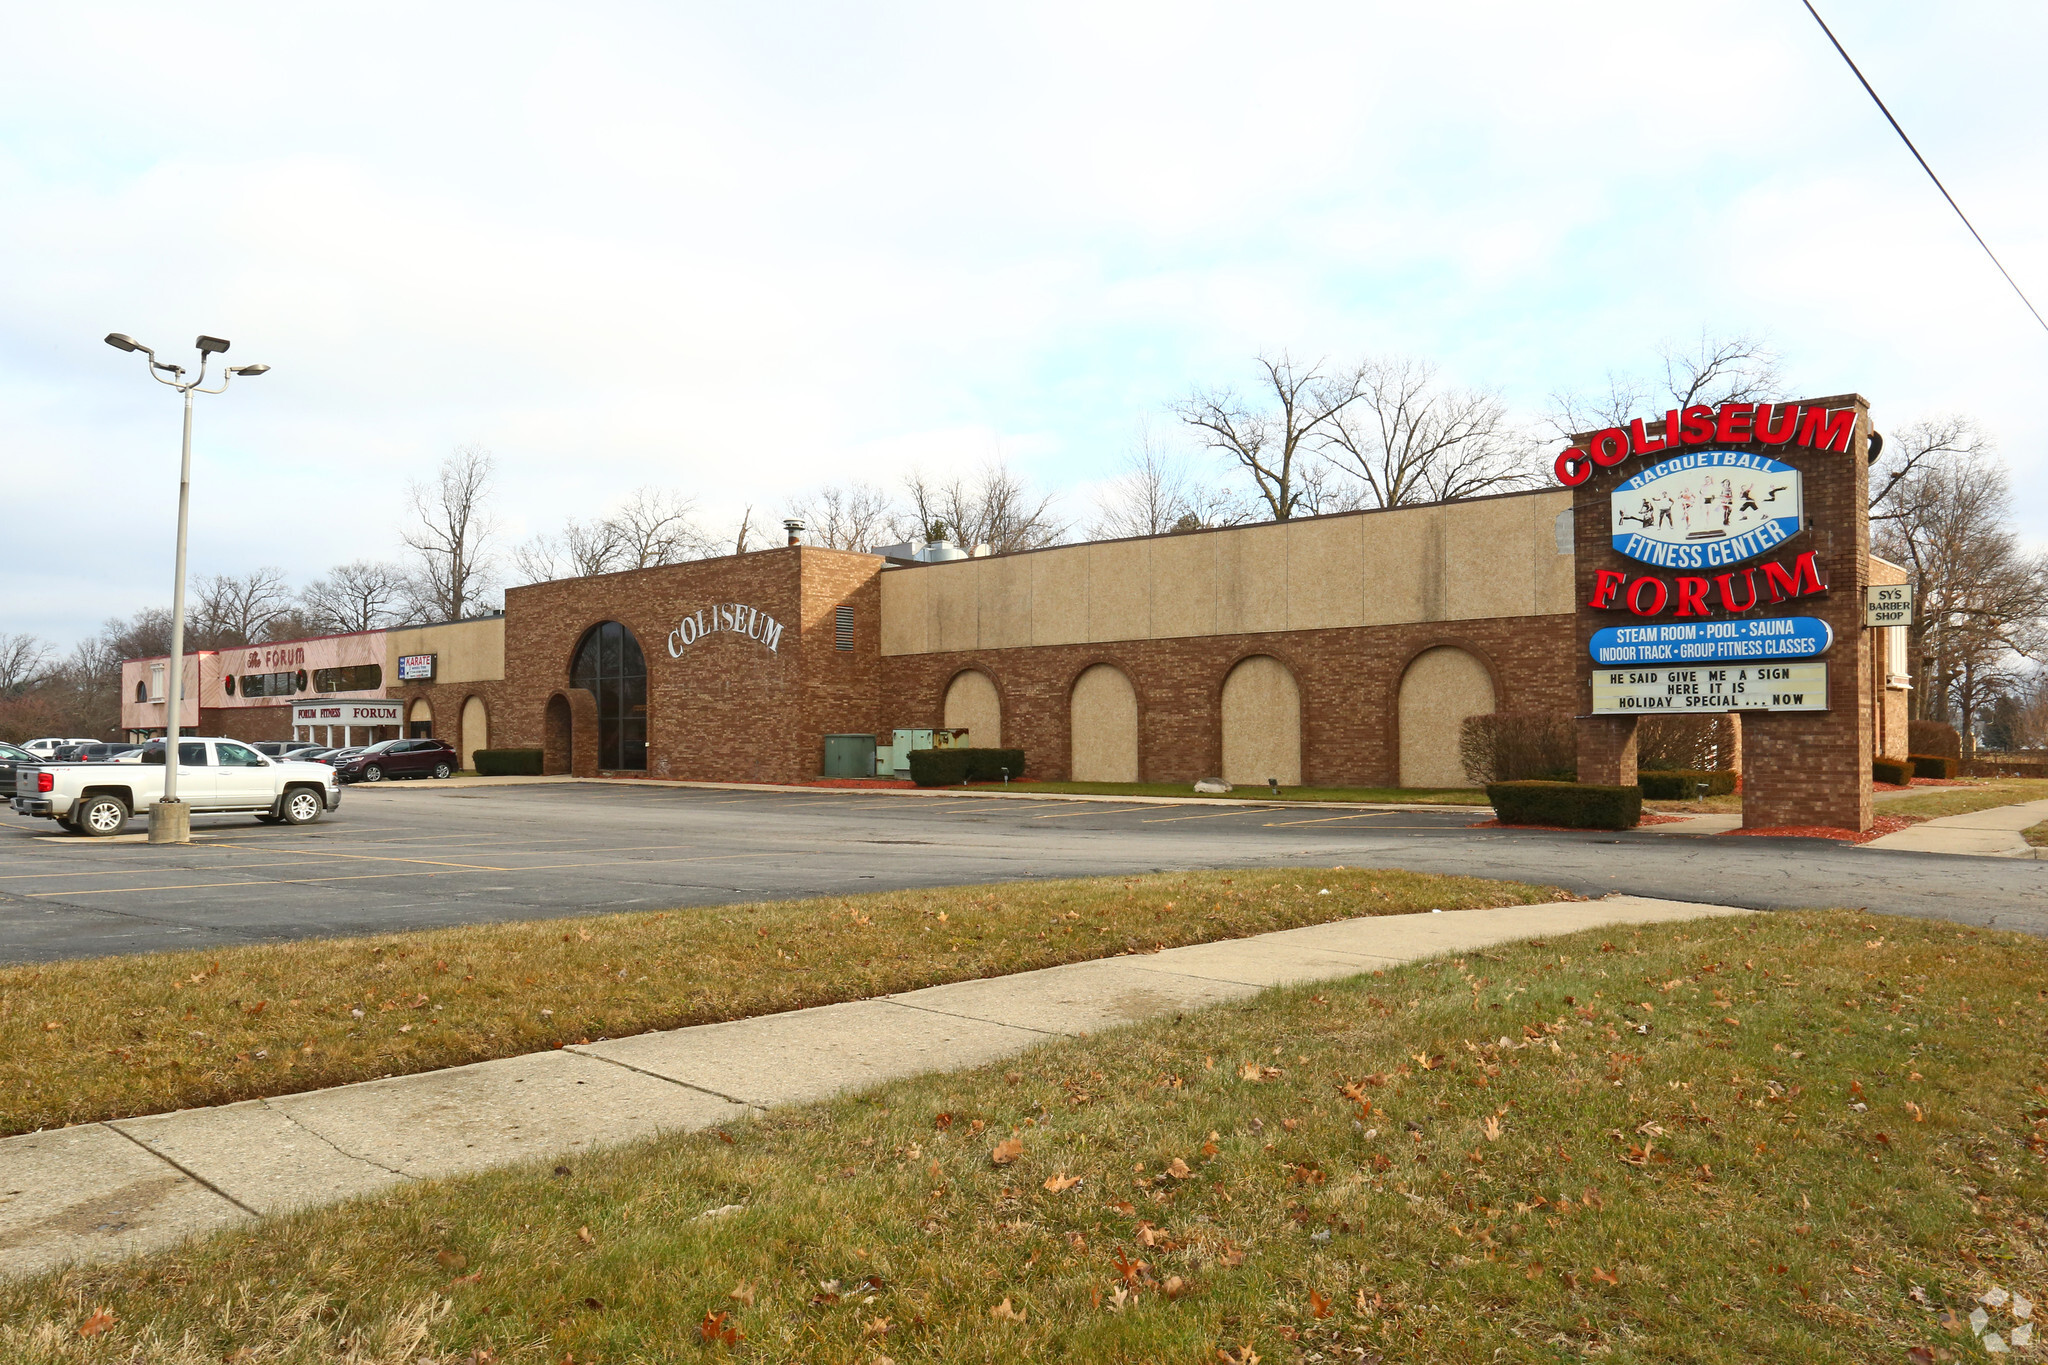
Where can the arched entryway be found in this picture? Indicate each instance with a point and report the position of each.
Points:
(420, 719)
(1440, 689)
(1261, 723)
(973, 705)
(476, 730)
(558, 737)
(610, 666)
(1103, 723)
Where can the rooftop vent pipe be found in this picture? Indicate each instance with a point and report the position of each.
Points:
(796, 531)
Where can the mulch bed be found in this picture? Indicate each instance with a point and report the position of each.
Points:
(1649, 818)
(1885, 824)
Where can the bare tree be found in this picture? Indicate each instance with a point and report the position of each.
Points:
(24, 660)
(1742, 368)
(850, 516)
(1911, 447)
(451, 535)
(1157, 494)
(362, 594)
(1410, 439)
(1274, 437)
(995, 508)
(236, 609)
(580, 550)
(654, 527)
(1980, 599)
(145, 635)
(739, 541)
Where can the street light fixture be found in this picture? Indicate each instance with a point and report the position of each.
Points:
(170, 822)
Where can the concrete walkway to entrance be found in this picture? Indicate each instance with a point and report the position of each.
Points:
(103, 1190)
(1993, 833)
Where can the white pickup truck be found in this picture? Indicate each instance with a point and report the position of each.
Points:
(215, 777)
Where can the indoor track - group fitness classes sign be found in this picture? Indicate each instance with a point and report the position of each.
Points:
(725, 617)
(1713, 511)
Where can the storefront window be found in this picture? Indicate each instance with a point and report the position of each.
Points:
(610, 666)
(356, 678)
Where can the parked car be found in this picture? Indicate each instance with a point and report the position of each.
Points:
(92, 752)
(46, 748)
(313, 755)
(11, 757)
(400, 758)
(215, 777)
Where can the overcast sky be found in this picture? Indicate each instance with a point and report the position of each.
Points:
(742, 250)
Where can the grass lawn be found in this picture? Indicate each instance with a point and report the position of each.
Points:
(1402, 796)
(2037, 835)
(115, 1036)
(1937, 801)
(1792, 1137)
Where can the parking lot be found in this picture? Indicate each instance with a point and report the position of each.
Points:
(415, 855)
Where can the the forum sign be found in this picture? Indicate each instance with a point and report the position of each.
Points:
(734, 618)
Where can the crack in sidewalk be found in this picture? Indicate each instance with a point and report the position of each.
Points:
(293, 1119)
(181, 1169)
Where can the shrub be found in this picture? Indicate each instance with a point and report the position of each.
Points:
(1895, 771)
(1510, 746)
(1682, 784)
(1932, 765)
(1685, 743)
(508, 762)
(1933, 737)
(951, 767)
(1567, 804)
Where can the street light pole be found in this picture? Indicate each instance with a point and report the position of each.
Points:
(170, 822)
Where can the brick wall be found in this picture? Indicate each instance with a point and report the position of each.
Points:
(724, 707)
(1349, 679)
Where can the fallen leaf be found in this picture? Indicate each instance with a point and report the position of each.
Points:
(1003, 1312)
(451, 1260)
(1174, 1287)
(1919, 1114)
(471, 1278)
(583, 1236)
(100, 1321)
(1318, 1306)
(743, 1293)
(713, 1330)
(942, 1122)
(1061, 1183)
(1603, 1277)
(1178, 1169)
(1007, 1151)
(1491, 1128)
(877, 1328)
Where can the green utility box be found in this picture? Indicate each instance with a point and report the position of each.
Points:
(849, 755)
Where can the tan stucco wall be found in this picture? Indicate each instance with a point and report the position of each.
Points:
(466, 651)
(476, 730)
(1440, 689)
(972, 705)
(1104, 715)
(1457, 561)
(1261, 723)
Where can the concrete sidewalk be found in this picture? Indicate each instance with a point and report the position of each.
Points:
(103, 1190)
(1993, 833)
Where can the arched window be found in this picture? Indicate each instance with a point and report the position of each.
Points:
(610, 666)
(141, 692)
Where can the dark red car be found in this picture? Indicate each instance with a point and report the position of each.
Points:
(401, 758)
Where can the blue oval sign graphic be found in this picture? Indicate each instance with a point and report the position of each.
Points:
(1708, 642)
(1705, 509)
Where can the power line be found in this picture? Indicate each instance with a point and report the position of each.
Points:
(1924, 166)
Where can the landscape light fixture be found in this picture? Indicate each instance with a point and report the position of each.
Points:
(169, 820)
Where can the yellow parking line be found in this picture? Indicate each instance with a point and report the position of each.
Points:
(1120, 810)
(1216, 815)
(1336, 819)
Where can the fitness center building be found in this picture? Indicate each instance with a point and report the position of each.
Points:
(1341, 650)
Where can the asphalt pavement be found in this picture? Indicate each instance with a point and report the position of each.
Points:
(419, 855)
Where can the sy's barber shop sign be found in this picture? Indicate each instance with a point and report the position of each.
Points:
(722, 618)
